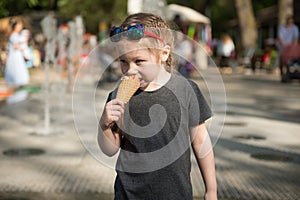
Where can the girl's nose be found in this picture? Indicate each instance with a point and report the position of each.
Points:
(132, 69)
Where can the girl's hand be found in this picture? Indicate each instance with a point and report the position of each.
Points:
(112, 113)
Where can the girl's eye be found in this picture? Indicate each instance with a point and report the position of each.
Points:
(139, 61)
(123, 62)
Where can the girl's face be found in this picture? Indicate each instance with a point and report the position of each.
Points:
(19, 27)
(144, 63)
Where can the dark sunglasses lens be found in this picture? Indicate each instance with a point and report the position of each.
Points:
(135, 33)
(115, 34)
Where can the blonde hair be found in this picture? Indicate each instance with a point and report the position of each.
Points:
(156, 25)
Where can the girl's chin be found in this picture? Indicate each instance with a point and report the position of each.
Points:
(143, 84)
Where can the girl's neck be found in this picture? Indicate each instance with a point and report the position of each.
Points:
(162, 78)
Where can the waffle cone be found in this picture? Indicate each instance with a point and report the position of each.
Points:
(127, 88)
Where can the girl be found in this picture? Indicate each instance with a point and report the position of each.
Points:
(154, 130)
(16, 72)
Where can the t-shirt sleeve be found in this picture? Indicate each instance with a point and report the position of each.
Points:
(199, 110)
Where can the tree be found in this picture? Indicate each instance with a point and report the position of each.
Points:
(247, 23)
(285, 8)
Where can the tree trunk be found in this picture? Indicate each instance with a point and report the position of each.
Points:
(285, 8)
(247, 23)
(53, 5)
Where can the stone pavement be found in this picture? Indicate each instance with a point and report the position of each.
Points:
(257, 155)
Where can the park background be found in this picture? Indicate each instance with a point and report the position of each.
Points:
(257, 155)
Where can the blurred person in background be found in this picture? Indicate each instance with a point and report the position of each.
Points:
(225, 50)
(184, 53)
(16, 71)
(288, 35)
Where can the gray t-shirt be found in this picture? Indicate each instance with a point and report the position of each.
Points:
(154, 161)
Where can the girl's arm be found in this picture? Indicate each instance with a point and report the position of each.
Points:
(16, 46)
(109, 140)
(205, 158)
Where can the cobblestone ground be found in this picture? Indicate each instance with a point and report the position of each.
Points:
(257, 154)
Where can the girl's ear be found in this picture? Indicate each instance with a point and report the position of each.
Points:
(165, 53)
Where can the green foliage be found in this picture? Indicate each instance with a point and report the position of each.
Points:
(3, 11)
(18, 7)
(221, 12)
(260, 4)
(114, 11)
(13, 7)
(32, 3)
(94, 11)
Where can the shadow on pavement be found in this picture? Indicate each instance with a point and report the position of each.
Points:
(60, 196)
(53, 196)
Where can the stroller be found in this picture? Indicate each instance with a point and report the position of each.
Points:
(290, 63)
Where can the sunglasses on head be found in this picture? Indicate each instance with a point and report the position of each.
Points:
(134, 32)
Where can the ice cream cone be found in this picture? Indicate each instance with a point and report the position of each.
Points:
(127, 88)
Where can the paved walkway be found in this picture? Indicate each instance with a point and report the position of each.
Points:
(257, 154)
